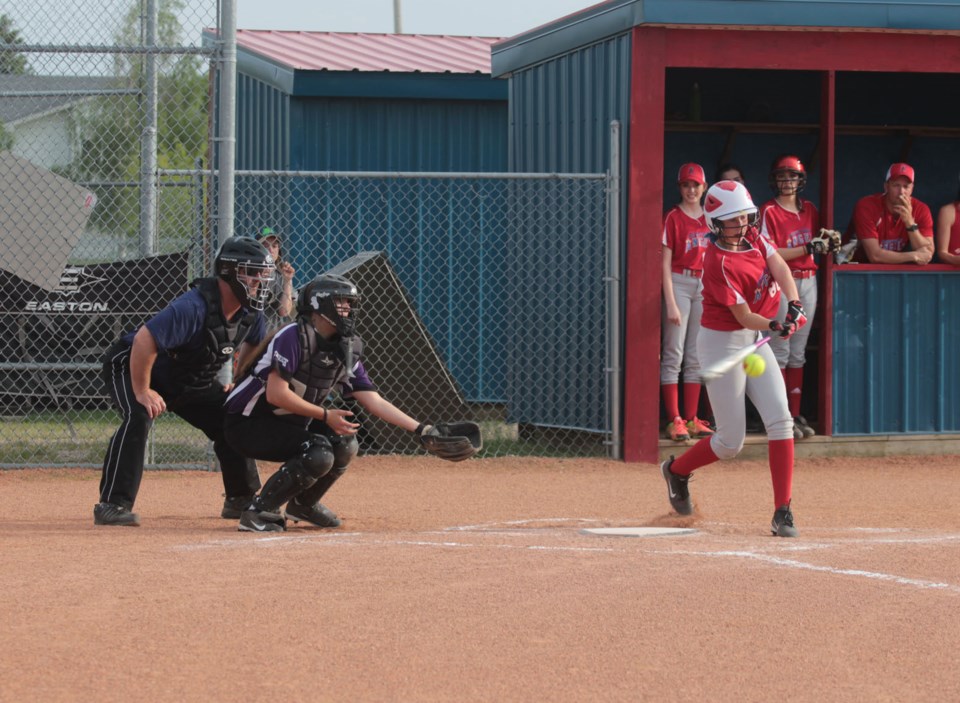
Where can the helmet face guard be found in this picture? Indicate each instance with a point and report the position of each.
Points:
(324, 295)
(248, 269)
(784, 171)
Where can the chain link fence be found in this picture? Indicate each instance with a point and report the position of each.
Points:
(483, 296)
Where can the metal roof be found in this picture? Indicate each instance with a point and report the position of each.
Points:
(614, 17)
(340, 51)
(25, 96)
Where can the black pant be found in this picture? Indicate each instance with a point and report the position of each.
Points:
(271, 438)
(123, 464)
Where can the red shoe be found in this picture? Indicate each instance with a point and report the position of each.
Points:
(699, 428)
(678, 430)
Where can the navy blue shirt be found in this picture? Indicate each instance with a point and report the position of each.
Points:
(182, 325)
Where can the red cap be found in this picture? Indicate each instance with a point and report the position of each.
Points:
(692, 172)
(895, 170)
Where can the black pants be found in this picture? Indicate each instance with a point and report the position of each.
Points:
(123, 464)
(270, 438)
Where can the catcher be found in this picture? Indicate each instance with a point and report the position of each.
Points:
(278, 412)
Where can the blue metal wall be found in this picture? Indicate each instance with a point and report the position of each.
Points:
(895, 364)
(560, 114)
(263, 125)
(376, 134)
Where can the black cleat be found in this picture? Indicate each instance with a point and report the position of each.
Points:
(677, 490)
(782, 524)
(317, 514)
(233, 507)
(801, 422)
(254, 520)
(112, 514)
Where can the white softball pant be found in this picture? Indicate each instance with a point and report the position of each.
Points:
(680, 342)
(767, 391)
(792, 352)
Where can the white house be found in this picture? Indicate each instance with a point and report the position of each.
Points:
(40, 113)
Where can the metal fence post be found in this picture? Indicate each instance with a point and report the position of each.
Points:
(148, 140)
(227, 137)
(614, 352)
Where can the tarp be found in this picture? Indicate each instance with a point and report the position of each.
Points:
(41, 219)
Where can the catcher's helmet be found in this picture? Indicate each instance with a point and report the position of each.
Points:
(321, 295)
(787, 164)
(726, 200)
(247, 268)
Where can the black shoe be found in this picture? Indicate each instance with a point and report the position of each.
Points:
(233, 507)
(677, 490)
(254, 520)
(112, 514)
(801, 422)
(782, 524)
(317, 514)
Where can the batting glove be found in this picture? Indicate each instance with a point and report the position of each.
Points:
(796, 314)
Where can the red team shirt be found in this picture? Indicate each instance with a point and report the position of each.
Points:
(733, 277)
(954, 246)
(687, 238)
(872, 220)
(791, 229)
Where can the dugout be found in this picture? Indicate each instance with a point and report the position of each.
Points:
(850, 87)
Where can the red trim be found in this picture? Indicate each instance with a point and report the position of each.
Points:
(833, 50)
(897, 268)
(828, 104)
(641, 373)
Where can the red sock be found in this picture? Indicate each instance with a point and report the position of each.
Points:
(781, 470)
(700, 454)
(671, 400)
(691, 400)
(794, 379)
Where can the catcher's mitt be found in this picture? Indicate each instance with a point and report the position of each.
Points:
(453, 441)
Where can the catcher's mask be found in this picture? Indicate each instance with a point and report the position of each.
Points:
(323, 295)
(247, 268)
(728, 200)
(788, 175)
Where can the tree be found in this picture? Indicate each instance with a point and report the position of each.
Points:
(11, 61)
(112, 127)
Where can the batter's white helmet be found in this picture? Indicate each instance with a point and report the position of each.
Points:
(725, 200)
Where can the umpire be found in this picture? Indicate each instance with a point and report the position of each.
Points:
(171, 363)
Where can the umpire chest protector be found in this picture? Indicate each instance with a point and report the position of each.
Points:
(196, 369)
(323, 362)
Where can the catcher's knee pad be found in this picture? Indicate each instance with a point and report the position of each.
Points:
(315, 460)
(344, 451)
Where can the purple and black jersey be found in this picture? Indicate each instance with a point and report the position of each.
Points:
(182, 325)
(284, 354)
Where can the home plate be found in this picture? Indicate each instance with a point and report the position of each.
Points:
(637, 531)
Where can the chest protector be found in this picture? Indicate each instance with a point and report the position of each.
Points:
(196, 369)
(323, 363)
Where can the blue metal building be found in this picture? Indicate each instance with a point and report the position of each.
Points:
(849, 86)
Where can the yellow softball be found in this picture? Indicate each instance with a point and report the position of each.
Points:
(754, 365)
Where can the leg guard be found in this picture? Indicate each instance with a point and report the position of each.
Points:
(344, 451)
(297, 475)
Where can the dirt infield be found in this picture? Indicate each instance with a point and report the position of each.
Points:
(474, 582)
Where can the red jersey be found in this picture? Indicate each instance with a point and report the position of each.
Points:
(687, 238)
(733, 277)
(791, 229)
(954, 246)
(872, 220)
